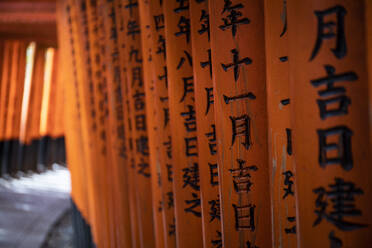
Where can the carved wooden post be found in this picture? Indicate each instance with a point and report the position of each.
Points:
(238, 59)
(79, 87)
(72, 114)
(368, 15)
(331, 130)
(208, 168)
(15, 104)
(281, 166)
(156, 82)
(5, 90)
(130, 168)
(183, 124)
(137, 108)
(148, 33)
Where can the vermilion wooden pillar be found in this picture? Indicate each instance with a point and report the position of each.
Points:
(207, 143)
(137, 107)
(328, 75)
(33, 120)
(368, 16)
(153, 128)
(119, 131)
(79, 112)
(5, 90)
(130, 159)
(17, 77)
(58, 126)
(16, 95)
(50, 109)
(97, 197)
(99, 176)
(238, 59)
(281, 166)
(74, 147)
(184, 145)
(157, 87)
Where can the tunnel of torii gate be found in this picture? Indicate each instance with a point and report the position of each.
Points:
(195, 123)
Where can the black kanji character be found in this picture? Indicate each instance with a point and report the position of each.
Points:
(168, 146)
(191, 176)
(284, 18)
(250, 245)
(133, 29)
(204, 23)
(191, 147)
(331, 90)
(217, 243)
(214, 210)
(159, 22)
(160, 206)
(142, 145)
(343, 147)
(236, 63)
(210, 99)
(161, 49)
(189, 119)
(291, 230)
(140, 122)
(144, 168)
(213, 171)
(113, 33)
(244, 217)
(288, 131)
(212, 141)
(283, 59)
(183, 6)
(232, 20)
(131, 4)
(195, 203)
(166, 116)
(334, 241)
(164, 76)
(208, 63)
(341, 195)
(182, 60)
(289, 183)
(248, 95)
(184, 28)
(137, 76)
(242, 176)
(326, 31)
(169, 172)
(170, 201)
(241, 127)
(139, 102)
(188, 86)
(172, 228)
(136, 54)
(159, 178)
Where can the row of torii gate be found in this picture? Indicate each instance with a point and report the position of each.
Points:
(220, 123)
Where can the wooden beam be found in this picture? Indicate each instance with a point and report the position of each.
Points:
(29, 20)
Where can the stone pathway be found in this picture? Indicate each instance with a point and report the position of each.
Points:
(61, 234)
(30, 206)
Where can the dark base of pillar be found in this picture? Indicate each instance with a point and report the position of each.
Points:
(82, 231)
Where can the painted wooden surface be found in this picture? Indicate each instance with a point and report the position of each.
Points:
(328, 76)
(241, 129)
(281, 165)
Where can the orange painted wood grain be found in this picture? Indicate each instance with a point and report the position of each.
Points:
(328, 80)
(238, 62)
(186, 183)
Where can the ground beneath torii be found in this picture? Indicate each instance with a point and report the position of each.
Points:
(35, 212)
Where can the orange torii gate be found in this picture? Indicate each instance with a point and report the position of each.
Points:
(228, 123)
